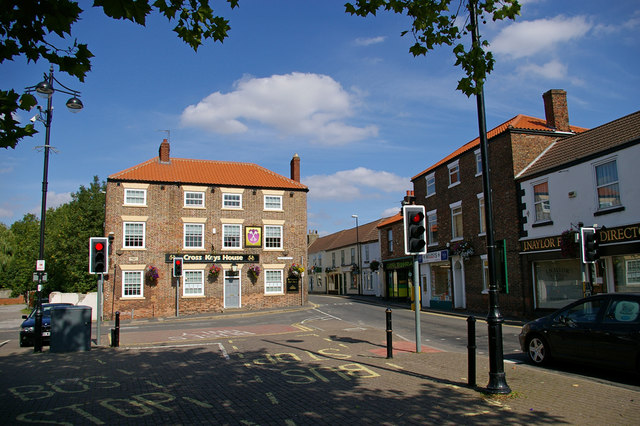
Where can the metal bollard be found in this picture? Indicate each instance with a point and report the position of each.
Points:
(389, 335)
(115, 338)
(471, 347)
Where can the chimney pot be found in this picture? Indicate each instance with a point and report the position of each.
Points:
(555, 109)
(295, 168)
(164, 152)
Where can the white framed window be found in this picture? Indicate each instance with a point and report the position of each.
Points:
(194, 199)
(478, 155)
(541, 202)
(456, 221)
(232, 201)
(193, 283)
(135, 197)
(390, 240)
(132, 284)
(272, 237)
(273, 281)
(231, 236)
(481, 214)
(134, 235)
(193, 236)
(485, 273)
(431, 184)
(432, 227)
(607, 185)
(454, 173)
(273, 202)
(366, 253)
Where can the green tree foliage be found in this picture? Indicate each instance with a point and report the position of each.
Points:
(28, 28)
(437, 23)
(67, 234)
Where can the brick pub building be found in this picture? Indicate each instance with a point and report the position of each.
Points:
(240, 228)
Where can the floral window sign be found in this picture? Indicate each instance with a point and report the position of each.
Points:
(253, 236)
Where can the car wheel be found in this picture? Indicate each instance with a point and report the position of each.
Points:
(538, 350)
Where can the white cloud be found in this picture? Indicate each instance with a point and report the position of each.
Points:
(361, 41)
(553, 70)
(297, 104)
(391, 211)
(54, 200)
(355, 184)
(528, 38)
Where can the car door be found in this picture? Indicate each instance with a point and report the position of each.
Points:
(570, 334)
(617, 338)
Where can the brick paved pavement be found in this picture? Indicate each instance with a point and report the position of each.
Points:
(329, 374)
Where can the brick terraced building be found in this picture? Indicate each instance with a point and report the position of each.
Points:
(225, 219)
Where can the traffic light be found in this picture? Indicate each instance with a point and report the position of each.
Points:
(415, 235)
(590, 247)
(177, 266)
(98, 255)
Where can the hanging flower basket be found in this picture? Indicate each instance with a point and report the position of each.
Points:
(568, 244)
(254, 273)
(214, 271)
(296, 269)
(463, 249)
(151, 275)
(316, 270)
(374, 265)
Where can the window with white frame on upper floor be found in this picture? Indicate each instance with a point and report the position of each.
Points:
(194, 199)
(272, 237)
(454, 173)
(481, 214)
(456, 221)
(231, 201)
(366, 253)
(353, 254)
(432, 228)
(273, 202)
(607, 185)
(390, 240)
(431, 184)
(333, 260)
(342, 257)
(135, 197)
(541, 202)
(132, 284)
(193, 283)
(478, 162)
(193, 235)
(231, 236)
(134, 235)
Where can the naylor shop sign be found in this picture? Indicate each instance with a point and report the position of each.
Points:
(213, 258)
(541, 244)
(619, 234)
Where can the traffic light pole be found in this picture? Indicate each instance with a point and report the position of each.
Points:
(416, 298)
(99, 313)
(177, 297)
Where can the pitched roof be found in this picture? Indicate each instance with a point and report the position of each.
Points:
(587, 144)
(519, 122)
(207, 172)
(391, 220)
(366, 233)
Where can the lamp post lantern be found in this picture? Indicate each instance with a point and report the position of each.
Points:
(46, 89)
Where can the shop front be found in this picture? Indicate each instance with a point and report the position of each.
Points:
(436, 280)
(558, 276)
(398, 274)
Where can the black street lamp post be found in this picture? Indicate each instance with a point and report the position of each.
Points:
(497, 379)
(359, 278)
(46, 89)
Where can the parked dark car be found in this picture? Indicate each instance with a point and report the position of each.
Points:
(603, 329)
(27, 327)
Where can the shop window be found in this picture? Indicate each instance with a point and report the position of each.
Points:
(626, 273)
(607, 185)
(541, 202)
(557, 282)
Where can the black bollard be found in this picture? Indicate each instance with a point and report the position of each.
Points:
(389, 335)
(471, 347)
(116, 332)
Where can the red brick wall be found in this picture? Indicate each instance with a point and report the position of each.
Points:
(164, 234)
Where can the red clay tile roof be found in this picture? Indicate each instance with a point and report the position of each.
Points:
(207, 172)
(390, 220)
(519, 122)
(608, 136)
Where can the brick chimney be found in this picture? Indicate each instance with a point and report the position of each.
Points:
(410, 198)
(555, 109)
(295, 168)
(164, 152)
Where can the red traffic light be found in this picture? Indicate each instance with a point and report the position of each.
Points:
(417, 218)
(99, 246)
(178, 262)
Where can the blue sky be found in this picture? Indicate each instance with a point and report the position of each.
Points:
(304, 77)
